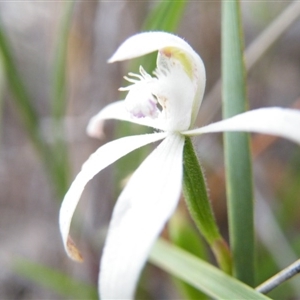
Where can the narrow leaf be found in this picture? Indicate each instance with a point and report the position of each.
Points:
(55, 281)
(59, 100)
(23, 103)
(2, 82)
(186, 237)
(236, 146)
(27, 112)
(165, 16)
(200, 274)
(195, 194)
(21, 97)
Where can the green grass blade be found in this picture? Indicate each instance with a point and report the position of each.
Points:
(60, 64)
(55, 281)
(23, 103)
(29, 115)
(200, 274)
(2, 82)
(186, 236)
(21, 97)
(59, 100)
(165, 16)
(237, 150)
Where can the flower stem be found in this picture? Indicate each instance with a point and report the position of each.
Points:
(279, 278)
(195, 194)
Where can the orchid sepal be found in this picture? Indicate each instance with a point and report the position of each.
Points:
(133, 230)
(283, 122)
(103, 157)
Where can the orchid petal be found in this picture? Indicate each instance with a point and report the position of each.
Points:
(147, 42)
(117, 110)
(141, 211)
(283, 122)
(104, 156)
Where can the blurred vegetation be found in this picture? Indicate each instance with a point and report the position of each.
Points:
(54, 77)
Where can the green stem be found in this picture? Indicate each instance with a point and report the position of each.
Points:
(26, 110)
(236, 146)
(21, 98)
(195, 193)
(30, 118)
(59, 100)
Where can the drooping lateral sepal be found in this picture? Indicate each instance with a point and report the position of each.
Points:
(103, 157)
(143, 208)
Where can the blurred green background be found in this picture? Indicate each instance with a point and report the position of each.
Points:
(54, 78)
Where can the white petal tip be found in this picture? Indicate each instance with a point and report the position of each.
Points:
(95, 129)
(111, 60)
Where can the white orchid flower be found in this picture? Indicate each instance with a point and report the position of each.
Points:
(169, 102)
